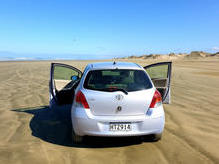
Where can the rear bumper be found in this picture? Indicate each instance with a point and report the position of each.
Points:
(84, 123)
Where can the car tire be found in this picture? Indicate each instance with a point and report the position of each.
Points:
(76, 138)
(157, 137)
(151, 137)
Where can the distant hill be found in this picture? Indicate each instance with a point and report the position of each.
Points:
(173, 56)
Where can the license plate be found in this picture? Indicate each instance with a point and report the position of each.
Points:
(120, 127)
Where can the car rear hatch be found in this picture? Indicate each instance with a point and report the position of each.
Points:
(103, 103)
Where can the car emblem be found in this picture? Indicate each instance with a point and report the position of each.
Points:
(119, 108)
(119, 97)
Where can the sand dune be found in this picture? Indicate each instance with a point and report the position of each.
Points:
(31, 132)
(180, 56)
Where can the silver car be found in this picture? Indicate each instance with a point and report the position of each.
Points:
(113, 99)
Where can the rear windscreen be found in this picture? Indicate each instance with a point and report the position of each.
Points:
(112, 80)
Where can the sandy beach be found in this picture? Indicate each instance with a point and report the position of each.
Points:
(30, 132)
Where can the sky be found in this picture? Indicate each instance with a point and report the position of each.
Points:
(97, 29)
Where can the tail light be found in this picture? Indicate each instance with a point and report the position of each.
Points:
(80, 99)
(156, 100)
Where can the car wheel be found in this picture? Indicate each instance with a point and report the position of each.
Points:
(157, 137)
(76, 138)
(151, 137)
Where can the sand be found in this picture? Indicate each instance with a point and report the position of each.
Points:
(30, 132)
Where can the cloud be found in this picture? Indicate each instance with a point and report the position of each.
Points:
(215, 48)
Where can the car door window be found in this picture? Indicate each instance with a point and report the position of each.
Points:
(160, 74)
(160, 71)
(63, 81)
(63, 78)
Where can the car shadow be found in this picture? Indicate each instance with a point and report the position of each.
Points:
(54, 126)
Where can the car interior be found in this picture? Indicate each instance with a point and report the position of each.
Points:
(66, 95)
(161, 85)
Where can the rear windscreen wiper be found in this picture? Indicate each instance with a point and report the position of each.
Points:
(120, 89)
(113, 90)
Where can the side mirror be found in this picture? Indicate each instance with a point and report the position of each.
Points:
(74, 78)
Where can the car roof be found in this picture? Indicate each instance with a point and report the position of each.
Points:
(113, 65)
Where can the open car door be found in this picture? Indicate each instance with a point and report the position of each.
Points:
(63, 81)
(160, 74)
